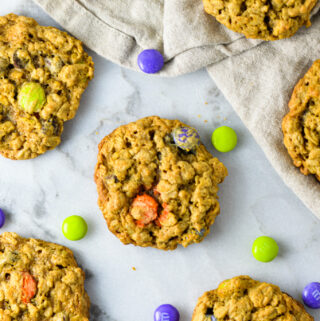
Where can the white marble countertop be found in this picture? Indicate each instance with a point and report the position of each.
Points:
(38, 194)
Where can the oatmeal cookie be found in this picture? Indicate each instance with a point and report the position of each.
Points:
(301, 126)
(153, 193)
(261, 19)
(40, 281)
(43, 72)
(242, 298)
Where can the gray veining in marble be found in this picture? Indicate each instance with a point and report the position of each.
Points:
(38, 194)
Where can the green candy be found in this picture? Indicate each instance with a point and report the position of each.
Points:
(265, 249)
(224, 139)
(74, 228)
(31, 97)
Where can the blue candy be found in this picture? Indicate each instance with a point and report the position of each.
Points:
(2, 217)
(311, 295)
(150, 61)
(186, 138)
(166, 312)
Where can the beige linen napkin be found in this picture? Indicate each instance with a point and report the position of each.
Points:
(257, 82)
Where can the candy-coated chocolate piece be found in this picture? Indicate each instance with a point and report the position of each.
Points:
(166, 312)
(311, 295)
(224, 139)
(265, 249)
(150, 61)
(74, 228)
(186, 138)
(2, 218)
(31, 97)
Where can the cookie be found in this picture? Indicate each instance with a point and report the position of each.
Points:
(43, 72)
(152, 192)
(40, 281)
(242, 298)
(260, 19)
(301, 125)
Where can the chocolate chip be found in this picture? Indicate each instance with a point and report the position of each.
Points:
(20, 59)
(4, 64)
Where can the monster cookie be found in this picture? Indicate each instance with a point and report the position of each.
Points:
(268, 20)
(242, 298)
(157, 183)
(43, 72)
(301, 125)
(40, 281)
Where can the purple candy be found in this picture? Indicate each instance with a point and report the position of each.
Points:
(311, 295)
(2, 218)
(150, 61)
(166, 312)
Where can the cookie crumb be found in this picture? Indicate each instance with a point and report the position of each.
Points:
(134, 269)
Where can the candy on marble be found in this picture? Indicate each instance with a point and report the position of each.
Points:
(2, 218)
(150, 61)
(166, 312)
(74, 228)
(311, 295)
(265, 249)
(31, 97)
(186, 138)
(224, 139)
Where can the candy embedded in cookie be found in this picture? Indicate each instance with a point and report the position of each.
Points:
(43, 73)
(242, 298)
(151, 191)
(186, 138)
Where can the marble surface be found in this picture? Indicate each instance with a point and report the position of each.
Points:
(38, 194)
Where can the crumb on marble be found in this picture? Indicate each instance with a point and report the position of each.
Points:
(206, 103)
(199, 116)
(134, 269)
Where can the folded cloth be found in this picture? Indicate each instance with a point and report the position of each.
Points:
(257, 77)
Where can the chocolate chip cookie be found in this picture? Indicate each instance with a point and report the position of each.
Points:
(153, 192)
(242, 298)
(260, 19)
(40, 281)
(43, 73)
(301, 126)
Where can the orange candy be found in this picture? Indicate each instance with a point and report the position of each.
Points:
(148, 206)
(29, 287)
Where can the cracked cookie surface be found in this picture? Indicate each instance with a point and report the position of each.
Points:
(151, 192)
(244, 299)
(301, 126)
(262, 19)
(53, 61)
(40, 281)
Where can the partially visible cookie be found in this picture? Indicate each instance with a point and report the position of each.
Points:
(40, 281)
(242, 298)
(260, 19)
(43, 72)
(301, 126)
(152, 192)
